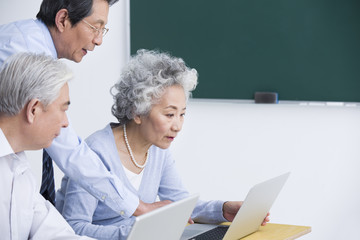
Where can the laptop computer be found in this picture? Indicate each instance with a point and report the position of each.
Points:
(165, 223)
(248, 219)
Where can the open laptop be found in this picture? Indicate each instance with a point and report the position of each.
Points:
(165, 223)
(248, 219)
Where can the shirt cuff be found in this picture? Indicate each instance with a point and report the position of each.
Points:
(125, 204)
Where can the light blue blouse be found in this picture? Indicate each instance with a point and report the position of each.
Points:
(92, 218)
(69, 151)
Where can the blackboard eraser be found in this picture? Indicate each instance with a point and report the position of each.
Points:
(266, 97)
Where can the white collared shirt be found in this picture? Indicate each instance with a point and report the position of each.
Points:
(24, 213)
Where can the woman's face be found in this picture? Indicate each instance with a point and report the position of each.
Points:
(165, 119)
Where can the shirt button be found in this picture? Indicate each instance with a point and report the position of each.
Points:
(122, 213)
(103, 197)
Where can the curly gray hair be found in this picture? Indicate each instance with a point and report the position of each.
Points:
(144, 80)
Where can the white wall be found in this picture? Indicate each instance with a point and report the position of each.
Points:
(228, 146)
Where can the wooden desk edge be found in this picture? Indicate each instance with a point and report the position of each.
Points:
(300, 231)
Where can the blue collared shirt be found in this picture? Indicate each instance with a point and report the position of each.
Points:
(25, 36)
(69, 151)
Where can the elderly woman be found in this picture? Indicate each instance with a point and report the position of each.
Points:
(150, 105)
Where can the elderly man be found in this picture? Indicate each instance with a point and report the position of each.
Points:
(69, 29)
(34, 97)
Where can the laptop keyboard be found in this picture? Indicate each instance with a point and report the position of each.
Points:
(214, 234)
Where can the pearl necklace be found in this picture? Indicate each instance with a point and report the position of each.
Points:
(131, 154)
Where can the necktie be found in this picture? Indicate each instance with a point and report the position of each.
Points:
(48, 184)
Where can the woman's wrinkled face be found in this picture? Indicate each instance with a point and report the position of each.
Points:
(165, 120)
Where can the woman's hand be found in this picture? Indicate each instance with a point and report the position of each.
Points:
(148, 207)
(231, 208)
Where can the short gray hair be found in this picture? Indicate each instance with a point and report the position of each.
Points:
(27, 76)
(144, 79)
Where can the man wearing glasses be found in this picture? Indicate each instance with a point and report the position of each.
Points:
(63, 29)
(69, 29)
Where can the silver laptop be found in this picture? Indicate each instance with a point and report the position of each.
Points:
(248, 219)
(164, 223)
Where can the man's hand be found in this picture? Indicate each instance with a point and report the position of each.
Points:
(148, 207)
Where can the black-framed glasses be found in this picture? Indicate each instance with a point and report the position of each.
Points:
(98, 31)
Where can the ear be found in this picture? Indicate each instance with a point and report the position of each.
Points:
(137, 119)
(62, 20)
(32, 110)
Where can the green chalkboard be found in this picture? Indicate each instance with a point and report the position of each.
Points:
(302, 49)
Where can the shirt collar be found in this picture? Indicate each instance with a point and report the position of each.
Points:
(5, 145)
(48, 38)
